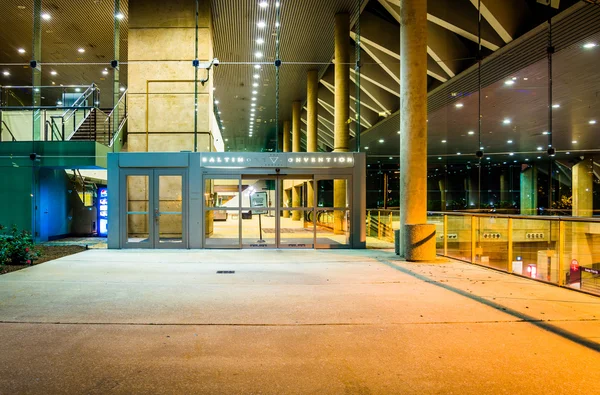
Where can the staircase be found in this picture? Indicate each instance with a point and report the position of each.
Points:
(91, 129)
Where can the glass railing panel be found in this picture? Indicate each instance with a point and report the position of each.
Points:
(459, 237)
(581, 256)
(535, 249)
(491, 244)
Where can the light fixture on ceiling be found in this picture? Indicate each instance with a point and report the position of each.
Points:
(6, 73)
(540, 148)
(589, 45)
(509, 82)
(53, 72)
(254, 99)
(21, 50)
(261, 25)
(254, 92)
(256, 76)
(545, 133)
(217, 102)
(444, 141)
(119, 16)
(252, 110)
(81, 50)
(506, 121)
(366, 147)
(381, 140)
(257, 66)
(439, 158)
(258, 54)
(219, 112)
(122, 89)
(509, 141)
(260, 41)
(59, 103)
(488, 158)
(253, 104)
(458, 153)
(511, 154)
(574, 142)
(556, 105)
(276, 24)
(459, 105)
(255, 85)
(77, 89)
(471, 132)
(46, 16)
(592, 122)
(105, 71)
(539, 157)
(263, 4)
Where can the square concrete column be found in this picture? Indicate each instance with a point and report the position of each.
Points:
(529, 191)
(583, 189)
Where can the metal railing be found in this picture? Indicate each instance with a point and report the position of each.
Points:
(560, 250)
(9, 132)
(68, 122)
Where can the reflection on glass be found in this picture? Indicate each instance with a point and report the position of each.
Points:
(333, 228)
(225, 229)
(298, 230)
(459, 237)
(491, 248)
(138, 215)
(170, 209)
(266, 188)
(258, 230)
(535, 244)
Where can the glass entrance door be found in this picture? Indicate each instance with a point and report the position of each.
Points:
(155, 208)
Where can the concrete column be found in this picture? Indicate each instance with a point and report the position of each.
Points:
(342, 83)
(286, 137)
(312, 87)
(442, 185)
(296, 109)
(164, 34)
(286, 200)
(36, 77)
(583, 187)
(116, 71)
(528, 191)
(296, 202)
(504, 185)
(341, 111)
(417, 237)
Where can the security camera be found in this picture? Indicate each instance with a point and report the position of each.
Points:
(35, 65)
(215, 62)
(114, 64)
(277, 170)
(551, 151)
(479, 154)
(277, 62)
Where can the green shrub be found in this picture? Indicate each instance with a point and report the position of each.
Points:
(16, 247)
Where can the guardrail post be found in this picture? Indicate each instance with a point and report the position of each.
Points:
(510, 246)
(561, 255)
(445, 234)
(473, 238)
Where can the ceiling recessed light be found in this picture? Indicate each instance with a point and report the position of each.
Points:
(119, 16)
(59, 103)
(77, 90)
(46, 16)
(574, 142)
(514, 78)
(219, 113)
(525, 78)
(568, 153)
(252, 110)
(81, 50)
(381, 140)
(439, 158)
(277, 4)
(366, 147)
(526, 160)
(509, 82)
(256, 76)
(255, 85)
(458, 153)
(539, 157)
(592, 122)
(257, 66)
(217, 102)
(488, 158)
(459, 105)
(105, 71)
(589, 45)
(254, 99)
(263, 4)
(21, 50)
(6, 73)
(53, 72)
(509, 141)
(444, 141)
(511, 154)
(122, 89)
(506, 121)
(545, 133)
(254, 92)
(258, 54)
(471, 132)
(556, 105)
(260, 41)
(540, 148)
(253, 104)
(261, 25)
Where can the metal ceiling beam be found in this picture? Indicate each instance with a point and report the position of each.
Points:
(489, 16)
(376, 59)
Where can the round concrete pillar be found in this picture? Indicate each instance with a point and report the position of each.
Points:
(296, 108)
(312, 87)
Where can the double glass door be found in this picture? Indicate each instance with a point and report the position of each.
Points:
(295, 211)
(155, 208)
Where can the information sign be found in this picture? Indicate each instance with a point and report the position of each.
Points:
(258, 200)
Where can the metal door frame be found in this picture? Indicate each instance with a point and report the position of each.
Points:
(153, 191)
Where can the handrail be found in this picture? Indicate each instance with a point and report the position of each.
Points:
(76, 128)
(81, 98)
(9, 132)
(118, 132)
(118, 102)
(518, 216)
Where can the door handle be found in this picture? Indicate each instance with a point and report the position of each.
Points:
(156, 214)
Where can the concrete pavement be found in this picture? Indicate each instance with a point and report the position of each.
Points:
(335, 321)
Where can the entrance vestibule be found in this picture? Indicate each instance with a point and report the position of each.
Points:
(236, 200)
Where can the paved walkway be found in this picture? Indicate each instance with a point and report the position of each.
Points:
(105, 321)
